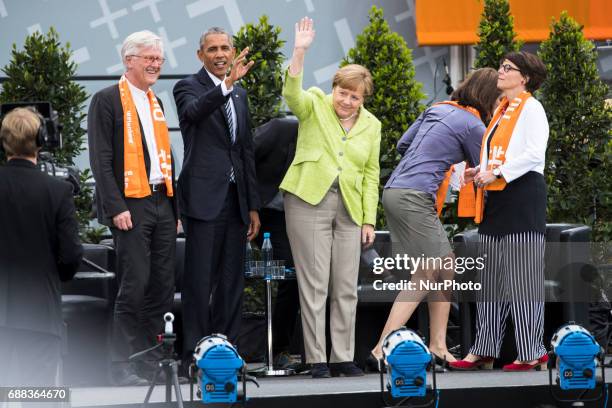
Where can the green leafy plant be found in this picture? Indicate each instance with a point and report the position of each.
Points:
(43, 71)
(265, 81)
(580, 145)
(396, 101)
(496, 34)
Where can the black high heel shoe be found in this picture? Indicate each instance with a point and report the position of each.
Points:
(440, 361)
(374, 365)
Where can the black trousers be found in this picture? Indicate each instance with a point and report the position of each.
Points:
(29, 358)
(287, 305)
(145, 264)
(213, 279)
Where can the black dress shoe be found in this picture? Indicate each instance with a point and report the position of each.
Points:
(345, 369)
(319, 370)
(126, 377)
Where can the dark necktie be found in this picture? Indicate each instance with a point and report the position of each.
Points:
(232, 130)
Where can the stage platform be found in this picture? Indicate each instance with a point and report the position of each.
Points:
(457, 389)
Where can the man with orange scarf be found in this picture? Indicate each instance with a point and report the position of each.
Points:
(129, 150)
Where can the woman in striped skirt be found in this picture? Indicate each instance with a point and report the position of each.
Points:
(510, 206)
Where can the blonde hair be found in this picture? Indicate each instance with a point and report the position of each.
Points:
(18, 133)
(353, 76)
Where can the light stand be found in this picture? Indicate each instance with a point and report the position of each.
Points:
(168, 365)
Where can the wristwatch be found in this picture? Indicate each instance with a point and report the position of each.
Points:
(497, 172)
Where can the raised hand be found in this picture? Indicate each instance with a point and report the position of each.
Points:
(304, 33)
(239, 68)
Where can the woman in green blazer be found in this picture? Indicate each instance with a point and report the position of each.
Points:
(331, 197)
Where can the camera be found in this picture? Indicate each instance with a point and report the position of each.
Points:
(49, 138)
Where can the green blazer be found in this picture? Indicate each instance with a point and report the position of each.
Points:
(324, 151)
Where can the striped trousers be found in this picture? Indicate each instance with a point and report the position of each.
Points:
(512, 282)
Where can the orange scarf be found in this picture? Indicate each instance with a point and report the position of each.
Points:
(441, 195)
(506, 114)
(135, 172)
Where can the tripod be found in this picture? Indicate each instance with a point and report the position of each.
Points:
(168, 365)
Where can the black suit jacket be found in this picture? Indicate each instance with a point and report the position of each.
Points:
(39, 246)
(274, 143)
(209, 152)
(105, 135)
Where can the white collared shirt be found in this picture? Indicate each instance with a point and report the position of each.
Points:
(527, 147)
(143, 107)
(225, 91)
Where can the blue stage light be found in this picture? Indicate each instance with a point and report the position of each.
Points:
(407, 359)
(219, 365)
(577, 352)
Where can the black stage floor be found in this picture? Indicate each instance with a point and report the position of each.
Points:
(457, 389)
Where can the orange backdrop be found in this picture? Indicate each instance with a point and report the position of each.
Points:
(447, 22)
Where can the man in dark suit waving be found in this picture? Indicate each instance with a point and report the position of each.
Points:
(39, 247)
(129, 151)
(217, 189)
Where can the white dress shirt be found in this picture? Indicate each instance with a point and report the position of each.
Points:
(225, 91)
(143, 107)
(527, 148)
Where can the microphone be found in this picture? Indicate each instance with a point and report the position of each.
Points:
(447, 79)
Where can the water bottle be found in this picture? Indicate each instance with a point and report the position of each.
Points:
(248, 258)
(266, 254)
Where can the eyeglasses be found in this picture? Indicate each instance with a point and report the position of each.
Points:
(507, 68)
(149, 59)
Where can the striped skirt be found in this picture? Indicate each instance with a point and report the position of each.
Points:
(512, 283)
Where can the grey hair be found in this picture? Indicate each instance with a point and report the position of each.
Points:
(138, 40)
(213, 31)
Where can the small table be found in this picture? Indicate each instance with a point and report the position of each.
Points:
(268, 370)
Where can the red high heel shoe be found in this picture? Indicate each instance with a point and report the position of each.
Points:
(484, 363)
(539, 365)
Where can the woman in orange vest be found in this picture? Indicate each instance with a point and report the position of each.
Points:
(446, 133)
(510, 206)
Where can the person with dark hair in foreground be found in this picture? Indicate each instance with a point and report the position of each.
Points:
(39, 247)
